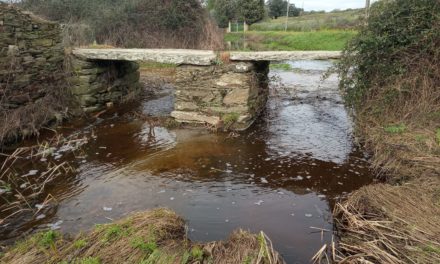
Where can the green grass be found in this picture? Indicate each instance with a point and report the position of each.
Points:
(80, 243)
(197, 253)
(155, 65)
(148, 247)
(395, 129)
(437, 135)
(281, 66)
(312, 22)
(113, 231)
(89, 260)
(330, 40)
(230, 118)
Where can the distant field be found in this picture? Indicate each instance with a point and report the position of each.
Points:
(331, 40)
(317, 31)
(312, 22)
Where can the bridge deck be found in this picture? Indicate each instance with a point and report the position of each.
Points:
(198, 57)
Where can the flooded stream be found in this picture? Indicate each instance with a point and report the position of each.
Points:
(282, 176)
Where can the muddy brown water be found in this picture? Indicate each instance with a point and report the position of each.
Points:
(282, 176)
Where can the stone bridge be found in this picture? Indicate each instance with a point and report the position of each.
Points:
(221, 89)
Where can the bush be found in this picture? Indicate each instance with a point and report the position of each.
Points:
(135, 23)
(395, 57)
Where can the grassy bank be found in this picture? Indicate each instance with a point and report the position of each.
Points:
(390, 76)
(332, 40)
(340, 20)
(156, 236)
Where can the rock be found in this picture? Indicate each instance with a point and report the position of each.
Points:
(87, 100)
(236, 96)
(232, 80)
(241, 67)
(193, 117)
(185, 106)
(91, 109)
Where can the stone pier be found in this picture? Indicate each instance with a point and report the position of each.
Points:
(229, 95)
(96, 84)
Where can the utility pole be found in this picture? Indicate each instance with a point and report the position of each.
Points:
(287, 15)
(367, 8)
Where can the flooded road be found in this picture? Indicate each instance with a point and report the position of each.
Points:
(282, 176)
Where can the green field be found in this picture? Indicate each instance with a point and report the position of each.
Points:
(289, 41)
(341, 20)
(312, 31)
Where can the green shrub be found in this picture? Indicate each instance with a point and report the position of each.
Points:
(399, 35)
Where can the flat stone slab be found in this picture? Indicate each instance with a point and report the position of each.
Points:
(199, 57)
(173, 56)
(284, 55)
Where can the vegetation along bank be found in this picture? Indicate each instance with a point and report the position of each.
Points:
(390, 76)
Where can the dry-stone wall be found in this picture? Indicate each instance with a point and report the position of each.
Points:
(95, 84)
(31, 55)
(229, 95)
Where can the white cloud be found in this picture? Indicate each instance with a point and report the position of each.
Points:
(328, 5)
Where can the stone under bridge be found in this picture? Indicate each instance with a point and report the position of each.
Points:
(225, 88)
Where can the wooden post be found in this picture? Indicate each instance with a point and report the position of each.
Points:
(229, 26)
(245, 26)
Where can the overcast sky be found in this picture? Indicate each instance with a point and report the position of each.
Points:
(329, 5)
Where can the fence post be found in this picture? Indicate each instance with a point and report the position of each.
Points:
(229, 26)
(245, 26)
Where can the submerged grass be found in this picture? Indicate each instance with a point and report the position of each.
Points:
(157, 236)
